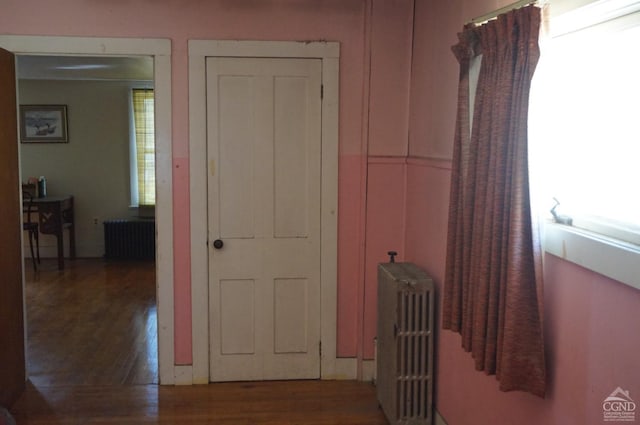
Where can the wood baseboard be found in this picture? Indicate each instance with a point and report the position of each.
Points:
(368, 370)
(183, 375)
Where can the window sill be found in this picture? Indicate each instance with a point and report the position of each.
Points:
(615, 259)
(143, 211)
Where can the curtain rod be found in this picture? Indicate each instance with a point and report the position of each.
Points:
(489, 16)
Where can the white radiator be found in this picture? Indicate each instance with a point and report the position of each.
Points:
(404, 366)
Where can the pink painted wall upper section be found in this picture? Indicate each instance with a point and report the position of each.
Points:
(375, 41)
(391, 35)
(435, 72)
(333, 20)
(591, 322)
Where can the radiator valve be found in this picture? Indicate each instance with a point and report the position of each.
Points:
(392, 256)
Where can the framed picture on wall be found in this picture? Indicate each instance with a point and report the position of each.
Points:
(43, 124)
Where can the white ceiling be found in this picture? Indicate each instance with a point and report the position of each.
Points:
(139, 68)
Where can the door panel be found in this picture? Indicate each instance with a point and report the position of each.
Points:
(291, 185)
(237, 124)
(238, 308)
(12, 356)
(291, 307)
(263, 143)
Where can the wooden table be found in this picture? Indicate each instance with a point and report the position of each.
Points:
(55, 213)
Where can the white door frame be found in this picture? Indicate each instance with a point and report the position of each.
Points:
(329, 52)
(160, 50)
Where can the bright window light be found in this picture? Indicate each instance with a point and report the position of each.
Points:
(143, 148)
(585, 130)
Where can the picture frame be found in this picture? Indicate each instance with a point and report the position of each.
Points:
(43, 124)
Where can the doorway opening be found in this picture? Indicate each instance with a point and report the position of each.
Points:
(95, 321)
(160, 51)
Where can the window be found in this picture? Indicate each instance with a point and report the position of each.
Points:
(584, 129)
(585, 136)
(143, 173)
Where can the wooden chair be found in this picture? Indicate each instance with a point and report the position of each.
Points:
(31, 227)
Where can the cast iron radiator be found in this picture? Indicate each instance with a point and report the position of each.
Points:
(404, 366)
(130, 239)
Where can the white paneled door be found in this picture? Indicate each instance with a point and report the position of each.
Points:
(264, 173)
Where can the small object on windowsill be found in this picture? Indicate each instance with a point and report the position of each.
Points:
(560, 218)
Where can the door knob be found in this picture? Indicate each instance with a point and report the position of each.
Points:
(218, 244)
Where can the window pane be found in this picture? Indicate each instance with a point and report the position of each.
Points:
(584, 127)
(143, 110)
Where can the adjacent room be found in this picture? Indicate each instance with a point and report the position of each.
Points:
(91, 314)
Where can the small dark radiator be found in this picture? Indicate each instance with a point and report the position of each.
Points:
(130, 239)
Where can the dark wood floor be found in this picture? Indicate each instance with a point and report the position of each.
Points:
(92, 324)
(92, 359)
(266, 403)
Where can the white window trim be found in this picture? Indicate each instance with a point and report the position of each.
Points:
(609, 257)
(574, 15)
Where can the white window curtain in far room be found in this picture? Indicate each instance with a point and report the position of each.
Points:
(143, 188)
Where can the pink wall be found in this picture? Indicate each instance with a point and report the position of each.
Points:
(591, 322)
(375, 40)
(385, 232)
(391, 35)
(387, 128)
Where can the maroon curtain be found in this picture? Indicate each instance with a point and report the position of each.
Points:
(492, 292)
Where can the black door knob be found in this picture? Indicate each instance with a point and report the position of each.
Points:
(217, 244)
